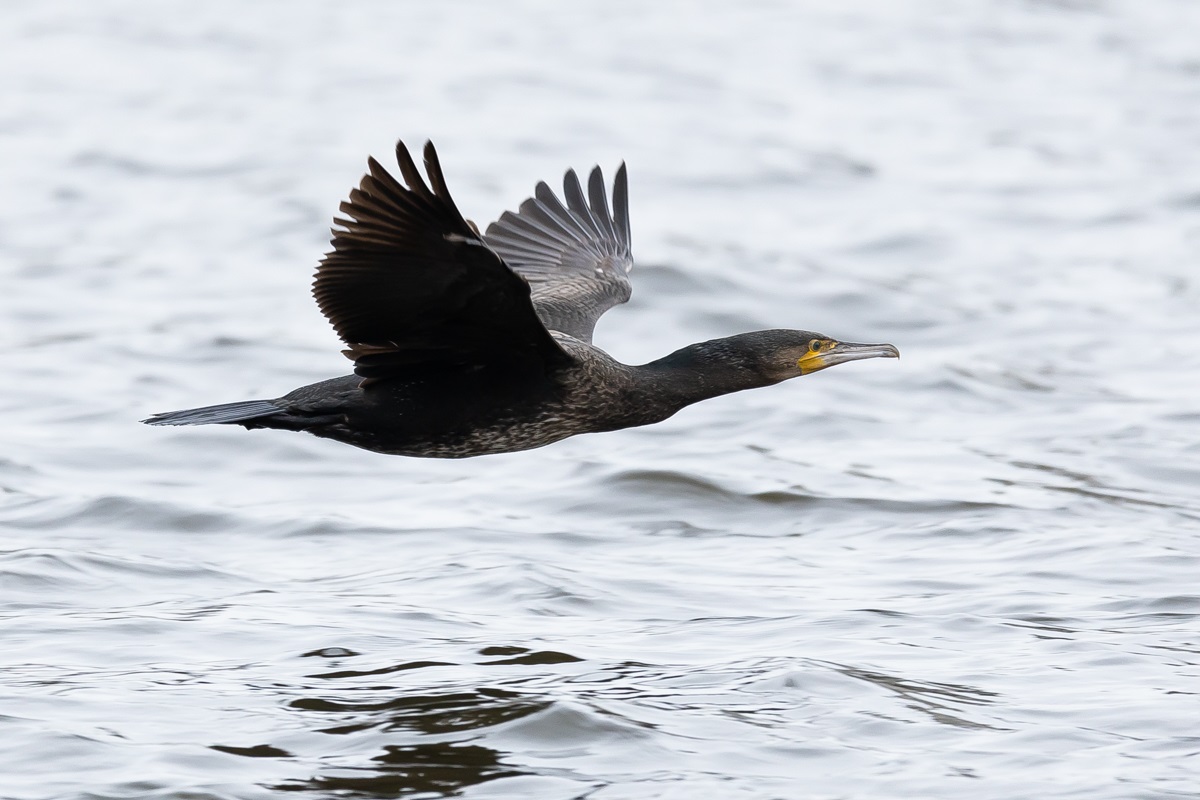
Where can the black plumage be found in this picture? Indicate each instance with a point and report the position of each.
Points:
(466, 344)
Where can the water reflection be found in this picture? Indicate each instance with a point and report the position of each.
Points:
(401, 769)
(442, 768)
(427, 713)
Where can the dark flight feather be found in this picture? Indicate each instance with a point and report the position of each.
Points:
(410, 282)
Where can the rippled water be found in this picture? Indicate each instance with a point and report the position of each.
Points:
(972, 572)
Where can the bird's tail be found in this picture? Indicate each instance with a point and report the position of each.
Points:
(228, 412)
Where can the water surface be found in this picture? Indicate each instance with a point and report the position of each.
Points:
(972, 572)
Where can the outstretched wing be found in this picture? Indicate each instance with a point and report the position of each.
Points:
(577, 256)
(410, 282)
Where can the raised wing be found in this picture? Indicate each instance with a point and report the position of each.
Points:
(577, 256)
(410, 282)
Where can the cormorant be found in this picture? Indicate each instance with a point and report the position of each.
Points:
(466, 344)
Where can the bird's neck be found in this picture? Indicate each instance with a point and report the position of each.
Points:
(698, 372)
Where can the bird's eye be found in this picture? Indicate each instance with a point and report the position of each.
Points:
(815, 346)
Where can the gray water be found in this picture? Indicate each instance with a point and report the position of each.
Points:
(974, 572)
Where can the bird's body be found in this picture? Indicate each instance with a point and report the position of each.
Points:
(459, 413)
(470, 345)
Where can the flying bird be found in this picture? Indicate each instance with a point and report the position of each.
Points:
(466, 344)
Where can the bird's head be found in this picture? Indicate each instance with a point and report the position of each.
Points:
(782, 354)
(748, 360)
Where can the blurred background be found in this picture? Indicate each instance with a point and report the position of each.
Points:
(969, 572)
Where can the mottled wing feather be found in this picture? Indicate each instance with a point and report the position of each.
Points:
(410, 282)
(576, 256)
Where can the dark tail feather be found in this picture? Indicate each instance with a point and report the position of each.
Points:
(228, 412)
